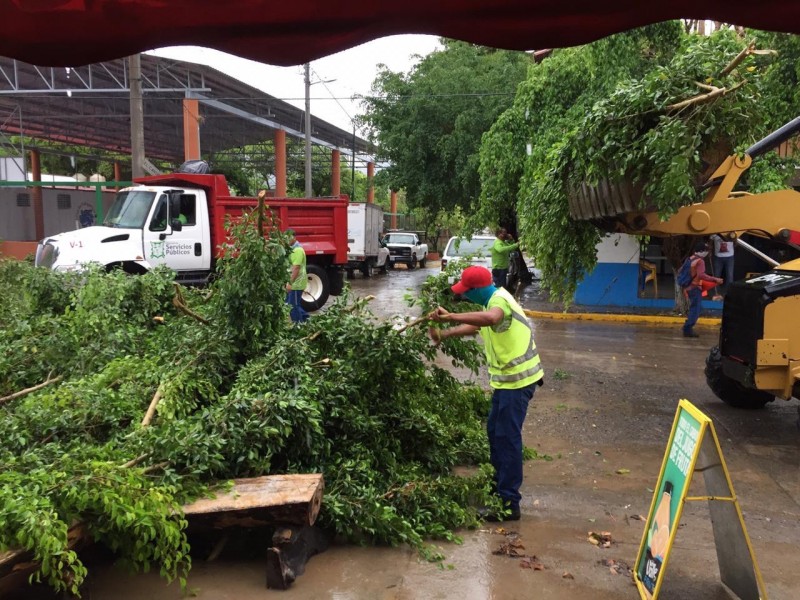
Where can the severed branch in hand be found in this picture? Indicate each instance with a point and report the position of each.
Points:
(416, 322)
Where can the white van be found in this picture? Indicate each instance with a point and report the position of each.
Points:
(479, 249)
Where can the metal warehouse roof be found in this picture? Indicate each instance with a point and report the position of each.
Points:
(90, 106)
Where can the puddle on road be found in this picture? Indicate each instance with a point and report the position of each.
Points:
(390, 290)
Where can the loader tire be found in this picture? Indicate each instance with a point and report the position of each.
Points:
(729, 390)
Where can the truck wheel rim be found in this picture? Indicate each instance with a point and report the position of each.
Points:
(313, 291)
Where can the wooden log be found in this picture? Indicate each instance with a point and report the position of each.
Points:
(16, 565)
(290, 551)
(268, 500)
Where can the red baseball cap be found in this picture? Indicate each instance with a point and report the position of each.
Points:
(472, 278)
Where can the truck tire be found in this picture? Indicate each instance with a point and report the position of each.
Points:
(316, 294)
(413, 263)
(729, 390)
(423, 261)
(336, 281)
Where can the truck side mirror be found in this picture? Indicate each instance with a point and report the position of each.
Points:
(176, 224)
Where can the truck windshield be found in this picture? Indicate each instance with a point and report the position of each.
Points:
(130, 209)
(399, 238)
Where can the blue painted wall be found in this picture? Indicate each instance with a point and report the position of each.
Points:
(615, 284)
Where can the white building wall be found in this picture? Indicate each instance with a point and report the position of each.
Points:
(618, 248)
(16, 211)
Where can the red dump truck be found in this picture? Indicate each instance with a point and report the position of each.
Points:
(178, 220)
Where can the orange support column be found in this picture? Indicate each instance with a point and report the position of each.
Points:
(336, 173)
(370, 186)
(393, 208)
(191, 129)
(117, 172)
(280, 163)
(36, 195)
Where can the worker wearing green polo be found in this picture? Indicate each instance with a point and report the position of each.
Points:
(515, 370)
(298, 279)
(501, 251)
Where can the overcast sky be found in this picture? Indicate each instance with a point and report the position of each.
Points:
(344, 74)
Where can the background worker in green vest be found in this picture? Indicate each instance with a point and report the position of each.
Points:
(298, 279)
(515, 370)
(501, 250)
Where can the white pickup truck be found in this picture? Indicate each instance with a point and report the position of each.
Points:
(405, 247)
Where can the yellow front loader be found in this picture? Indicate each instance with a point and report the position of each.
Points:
(758, 356)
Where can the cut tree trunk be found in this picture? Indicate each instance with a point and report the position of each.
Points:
(268, 500)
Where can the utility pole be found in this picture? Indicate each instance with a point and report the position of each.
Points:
(137, 115)
(308, 129)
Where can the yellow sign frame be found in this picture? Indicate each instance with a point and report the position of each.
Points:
(739, 571)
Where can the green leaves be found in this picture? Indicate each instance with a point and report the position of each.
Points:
(242, 394)
(428, 122)
(628, 108)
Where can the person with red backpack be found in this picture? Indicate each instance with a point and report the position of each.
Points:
(694, 290)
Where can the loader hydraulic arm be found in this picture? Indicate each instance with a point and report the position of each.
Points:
(772, 214)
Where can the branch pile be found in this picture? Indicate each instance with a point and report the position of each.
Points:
(152, 397)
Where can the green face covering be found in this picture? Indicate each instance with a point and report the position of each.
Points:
(480, 295)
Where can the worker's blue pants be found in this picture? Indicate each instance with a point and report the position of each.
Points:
(504, 427)
(297, 312)
(695, 296)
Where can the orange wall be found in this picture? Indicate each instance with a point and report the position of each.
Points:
(18, 250)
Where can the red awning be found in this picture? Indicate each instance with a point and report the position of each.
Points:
(281, 32)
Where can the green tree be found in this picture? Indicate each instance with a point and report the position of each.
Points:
(631, 108)
(428, 122)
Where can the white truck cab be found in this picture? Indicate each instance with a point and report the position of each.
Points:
(145, 227)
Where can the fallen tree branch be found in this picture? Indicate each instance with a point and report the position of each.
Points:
(313, 336)
(750, 49)
(179, 303)
(151, 410)
(359, 303)
(132, 463)
(703, 98)
(416, 322)
(30, 390)
(738, 59)
(156, 467)
(708, 88)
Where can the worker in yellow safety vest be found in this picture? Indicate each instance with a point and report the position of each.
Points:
(515, 370)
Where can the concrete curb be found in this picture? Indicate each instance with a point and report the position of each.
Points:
(652, 320)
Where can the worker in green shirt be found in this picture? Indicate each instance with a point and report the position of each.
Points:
(298, 279)
(501, 249)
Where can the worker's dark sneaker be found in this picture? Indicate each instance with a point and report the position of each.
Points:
(692, 334)
(493, 516)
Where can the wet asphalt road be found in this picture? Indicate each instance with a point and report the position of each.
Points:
(608, 404)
